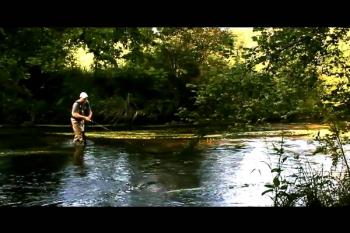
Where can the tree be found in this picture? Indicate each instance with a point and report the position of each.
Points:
(296, 58)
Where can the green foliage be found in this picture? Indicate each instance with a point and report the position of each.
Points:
(234, 95)
(332, 144)
(310, 187)
(280, 188)
(296, 58)
(184, 74)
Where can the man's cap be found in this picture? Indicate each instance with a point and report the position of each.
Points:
(83, 95)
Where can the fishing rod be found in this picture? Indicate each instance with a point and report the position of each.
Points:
(100, 125)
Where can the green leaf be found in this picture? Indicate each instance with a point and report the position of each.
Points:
(266, 191)
(276, 181)
(269, 186)
(284, 159)
(284, 187)
(276, 170)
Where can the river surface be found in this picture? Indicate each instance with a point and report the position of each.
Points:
(48, 170)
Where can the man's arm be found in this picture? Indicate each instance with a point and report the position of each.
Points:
(76, 114)
(90, 115)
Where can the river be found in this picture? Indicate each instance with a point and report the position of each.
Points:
(38, 169)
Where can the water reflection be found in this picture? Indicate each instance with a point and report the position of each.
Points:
(146, 173)
(78, 160)
(246, 183)
(31, 180)
(100, 176)
(78, 156)
(161, 179)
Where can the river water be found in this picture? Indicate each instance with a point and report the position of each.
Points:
(48, 170)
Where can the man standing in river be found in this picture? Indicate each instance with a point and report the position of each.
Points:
(81, 112)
